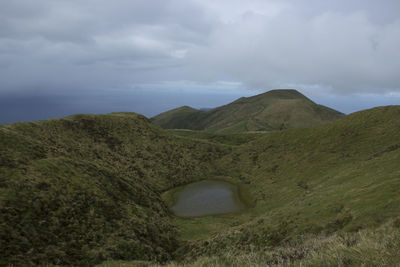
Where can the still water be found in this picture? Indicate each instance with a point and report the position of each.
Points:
(207, 198)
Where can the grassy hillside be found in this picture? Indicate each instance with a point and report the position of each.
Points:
(367, 247)
(86, 188)
(179, 118)
(339, 177)
(274, 110)
(233, 139)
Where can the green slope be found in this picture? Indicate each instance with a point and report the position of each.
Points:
(179, 118)
(273, 110)
(342, 176)
(86, 188)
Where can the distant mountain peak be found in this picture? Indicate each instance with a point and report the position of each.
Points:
(184, 108)
(283, 93)
(263, 112)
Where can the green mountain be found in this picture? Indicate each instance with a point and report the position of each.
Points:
(273, 110)
(88, 189)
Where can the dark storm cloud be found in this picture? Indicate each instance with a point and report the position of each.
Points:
(346, 46)
(95, 44)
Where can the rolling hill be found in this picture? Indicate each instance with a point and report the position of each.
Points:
(338, 176)
(324, 195)
(88, 189)
(273, 110)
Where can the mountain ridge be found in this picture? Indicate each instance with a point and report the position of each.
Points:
(273, 110)
(85, 189)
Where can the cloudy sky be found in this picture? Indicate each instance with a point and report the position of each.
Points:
(59, 57)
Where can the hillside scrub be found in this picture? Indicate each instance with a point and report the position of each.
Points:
(87, 189)
(336, 178)
(377, 247)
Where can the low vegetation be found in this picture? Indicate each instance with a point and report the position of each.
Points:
(87, 189)
(367, 247)
(336, 178)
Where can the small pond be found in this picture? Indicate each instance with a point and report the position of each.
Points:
(207, 198)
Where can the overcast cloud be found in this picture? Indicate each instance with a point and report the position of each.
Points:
(320, 47)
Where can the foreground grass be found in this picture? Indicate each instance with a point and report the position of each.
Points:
(369, 247)
(378, 247)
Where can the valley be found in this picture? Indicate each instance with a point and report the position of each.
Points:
(93, 189)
